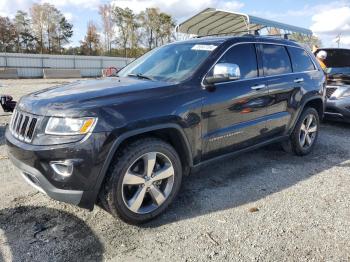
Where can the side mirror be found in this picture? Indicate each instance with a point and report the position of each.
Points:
(224, 72)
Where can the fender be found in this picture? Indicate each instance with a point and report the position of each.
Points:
(301, 109)
(86, 200)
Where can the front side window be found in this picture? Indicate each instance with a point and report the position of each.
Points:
(276, 60)
(243, 55)
(301, 61)
(170, 63)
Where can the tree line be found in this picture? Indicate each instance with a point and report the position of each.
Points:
(125, 33)
(119, 32)
(44, 30)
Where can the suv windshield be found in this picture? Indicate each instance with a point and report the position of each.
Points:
(170, 63)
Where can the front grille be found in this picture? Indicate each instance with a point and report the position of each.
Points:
(330, 91)
(23, 126)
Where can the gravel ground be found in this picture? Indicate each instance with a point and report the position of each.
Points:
(264, 205)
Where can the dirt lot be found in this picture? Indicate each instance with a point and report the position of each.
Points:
(265, 205)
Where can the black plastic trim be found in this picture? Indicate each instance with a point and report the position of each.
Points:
(238, 152)
(94, 193)
(42, 184)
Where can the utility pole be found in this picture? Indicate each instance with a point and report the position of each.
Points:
(338, 40)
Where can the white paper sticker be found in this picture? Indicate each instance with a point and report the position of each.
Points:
(204, 47)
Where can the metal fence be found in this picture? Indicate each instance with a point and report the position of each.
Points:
(32, 65)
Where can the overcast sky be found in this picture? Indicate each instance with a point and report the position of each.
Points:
(325, 18)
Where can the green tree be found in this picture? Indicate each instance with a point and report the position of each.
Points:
(310, 41)
(64, 33)
(127, 25)
(166, 29)
(157, 27)
(50, 27)
(149, 24)
(7, 35)
(25, 40)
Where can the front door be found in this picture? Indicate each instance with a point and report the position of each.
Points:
(234, 112)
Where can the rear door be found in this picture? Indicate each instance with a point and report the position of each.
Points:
(282, 84)
(306, 74)
(234, 112)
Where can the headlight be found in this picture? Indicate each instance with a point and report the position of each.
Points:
(70, 126)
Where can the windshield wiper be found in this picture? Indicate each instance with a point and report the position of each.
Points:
(141, 76)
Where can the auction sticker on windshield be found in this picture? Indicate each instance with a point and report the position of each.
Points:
(204, 47)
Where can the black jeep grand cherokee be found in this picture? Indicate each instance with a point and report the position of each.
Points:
(126, 142)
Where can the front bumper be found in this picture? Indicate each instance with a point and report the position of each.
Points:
(39, 182)
(338, 109)
(79, 188)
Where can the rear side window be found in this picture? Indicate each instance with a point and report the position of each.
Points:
(243, 55)
(301, 61)
(276, 60)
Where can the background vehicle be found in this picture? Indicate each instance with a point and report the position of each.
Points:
(110, 71)
(128, 141)
(338, 84)
(7, 103)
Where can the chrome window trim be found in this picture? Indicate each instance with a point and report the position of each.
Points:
(259, 77)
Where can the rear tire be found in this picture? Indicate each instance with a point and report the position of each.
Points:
(305, 133)
(142, 181)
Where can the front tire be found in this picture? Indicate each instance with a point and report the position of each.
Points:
(142, 181)
(305, 133)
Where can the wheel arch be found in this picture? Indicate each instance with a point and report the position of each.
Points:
(171, 133)
(315, 102)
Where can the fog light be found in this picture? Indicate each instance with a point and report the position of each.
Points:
(62, 168)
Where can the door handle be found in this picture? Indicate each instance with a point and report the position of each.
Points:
(299, 80)
(258, 87)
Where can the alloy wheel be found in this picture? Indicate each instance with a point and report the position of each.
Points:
(148, 182)
(308, 131)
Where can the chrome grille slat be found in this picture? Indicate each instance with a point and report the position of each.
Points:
(28, 124)
(31, 129)
(20, 120)
(15, 121)
(23, 126)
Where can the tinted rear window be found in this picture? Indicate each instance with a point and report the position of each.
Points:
(301, 61)
(275, 60)
(244, 56)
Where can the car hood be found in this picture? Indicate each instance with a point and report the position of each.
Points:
(86, 95)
